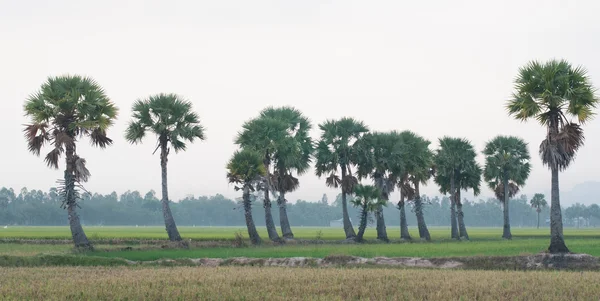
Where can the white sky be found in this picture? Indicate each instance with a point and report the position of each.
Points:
(434, 67)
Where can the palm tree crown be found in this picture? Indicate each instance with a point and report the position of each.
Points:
(549, 92)
(538, 202)
(367, 196)
(506, 157)
(336, 150)
(65, 109)
(457, 156)
(169, 117)
(245, 167)
(381, 158)
(296, 147)
(418, 162)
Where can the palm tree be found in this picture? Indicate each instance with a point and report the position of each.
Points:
(264, 135)
(334, 152)
(65, 109)
(538, 202)
(293, 154)
(246, 168)
(506, 168)
(368, 200)
(456, 170)
(549, 92)
(379, 156)
(418, 164)
(172, 120)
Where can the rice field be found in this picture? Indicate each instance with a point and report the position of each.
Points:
(39, 264)
(484, 242)
(253, 283)
(228, 233)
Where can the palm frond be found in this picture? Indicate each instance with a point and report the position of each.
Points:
(82, 174)
(333, 181)
(98, 138)
(53, 157)
(513, 189)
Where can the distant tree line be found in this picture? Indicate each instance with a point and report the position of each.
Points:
(41, 208)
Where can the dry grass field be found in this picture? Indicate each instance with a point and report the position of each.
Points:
(253, 283)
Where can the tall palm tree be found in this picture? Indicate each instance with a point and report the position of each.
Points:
(418, 163)
(379, 156)
(246, 168)
(506, 168)
(368, 200)
(538, 202)
(65, 109)
(549, 92)
(293, 154)
(264, 135)
(172, 120)
(334, 153)
(456, 170)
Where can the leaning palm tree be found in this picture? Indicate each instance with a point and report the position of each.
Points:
(334, 153)
(418, 162)
(379, 156)
(506, 168)
(549, 92)
(538, 202)
(172, 120)
(456, 170)
(246, 168)
(264, 135)
(66, 109)
(292, 155)
(368, 200)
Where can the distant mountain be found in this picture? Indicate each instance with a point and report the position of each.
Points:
(585, 193)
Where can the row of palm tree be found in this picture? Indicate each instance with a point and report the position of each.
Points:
(275, 148)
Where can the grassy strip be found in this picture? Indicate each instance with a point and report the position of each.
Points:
(254, 283)
(228, 233)
(436, 249)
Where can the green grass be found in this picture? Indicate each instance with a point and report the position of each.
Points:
(484, 241)
(228, 233)
(435, 249)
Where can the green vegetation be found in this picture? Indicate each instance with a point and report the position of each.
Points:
(64, 110)
(435, 249)
(228, 233)
(172, 120)
(549, 92)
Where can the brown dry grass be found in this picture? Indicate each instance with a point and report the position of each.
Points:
(253, 283)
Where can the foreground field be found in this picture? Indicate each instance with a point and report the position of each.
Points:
(251, 283)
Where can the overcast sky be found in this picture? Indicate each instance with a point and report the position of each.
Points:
(435, 67)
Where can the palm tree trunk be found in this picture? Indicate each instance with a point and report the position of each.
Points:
(462, 229)
(403, 224)
(453, 225)
(381, 230)
(363, 224)
(167, 215)
(252, 233)
(506, 233)
(271, 229)
(423, 231)
(557, 242)
(79, 238)
(348, 229)
(286, 230)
